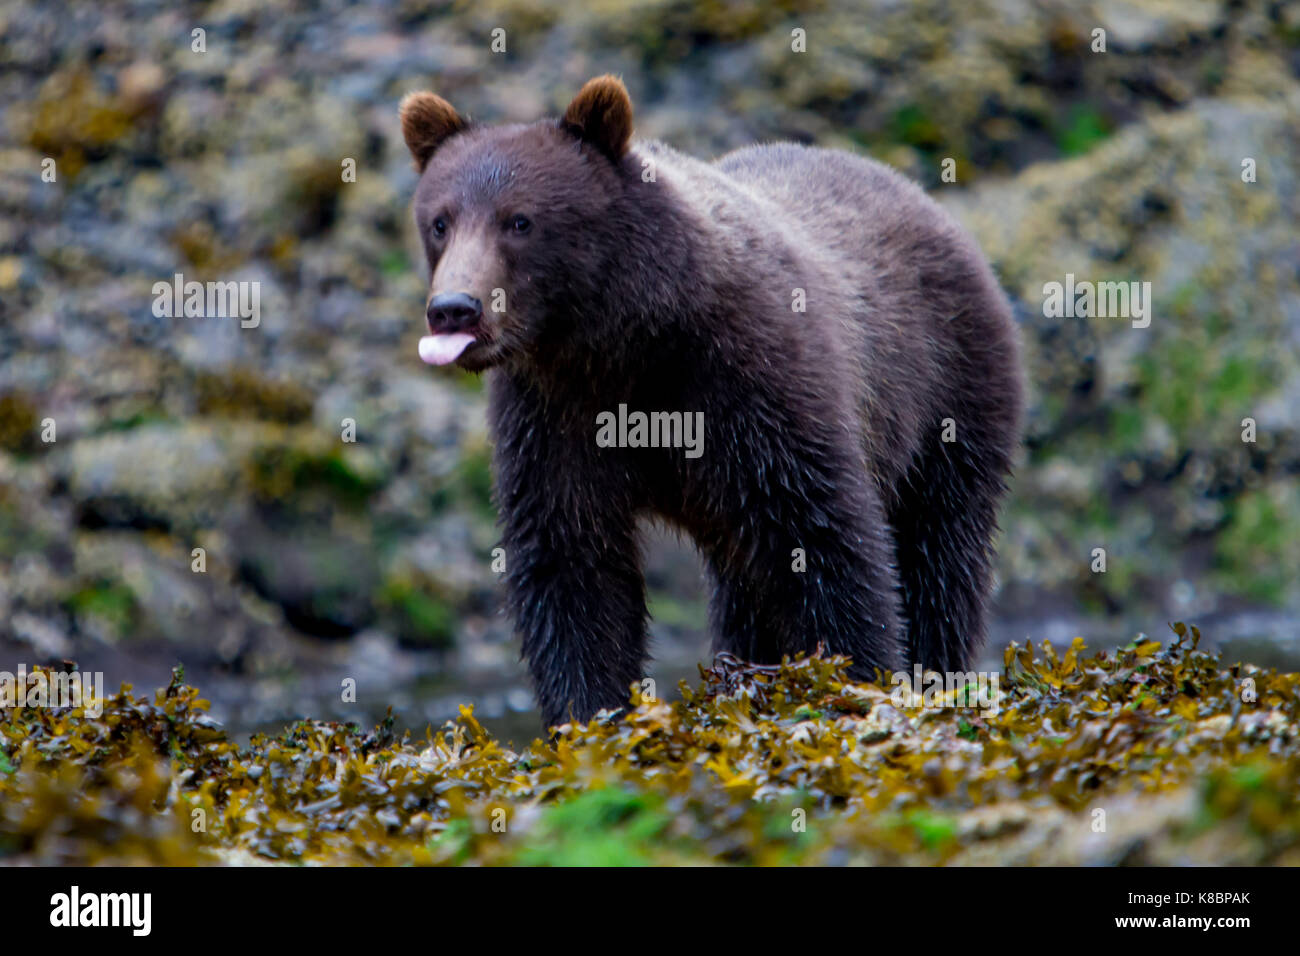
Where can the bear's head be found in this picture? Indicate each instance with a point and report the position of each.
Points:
(519, 223)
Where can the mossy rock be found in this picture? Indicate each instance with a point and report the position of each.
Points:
(242, 393)
(19, 423)
(420, 613)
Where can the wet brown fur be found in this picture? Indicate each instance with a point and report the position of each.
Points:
(822, 428)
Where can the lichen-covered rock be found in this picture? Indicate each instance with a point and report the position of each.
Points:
(176, 433)
(1136, 434)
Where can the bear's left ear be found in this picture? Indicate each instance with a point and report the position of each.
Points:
(427, 120)
(601, 114)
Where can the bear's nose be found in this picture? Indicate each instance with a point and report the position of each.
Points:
(453, 311)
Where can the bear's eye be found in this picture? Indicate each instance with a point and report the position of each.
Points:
(520, 225)
(440, 227)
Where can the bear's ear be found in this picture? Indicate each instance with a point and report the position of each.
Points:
(601, 114)
(427, 120)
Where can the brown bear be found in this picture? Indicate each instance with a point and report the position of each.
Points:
(842, 341)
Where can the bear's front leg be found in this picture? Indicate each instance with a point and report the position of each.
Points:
(573, 579)
(578, 601)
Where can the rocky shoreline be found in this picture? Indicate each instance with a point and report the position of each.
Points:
(325, 558)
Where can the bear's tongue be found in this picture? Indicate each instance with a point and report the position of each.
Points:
(445, 348)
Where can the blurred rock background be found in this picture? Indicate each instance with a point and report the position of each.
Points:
(371, 560)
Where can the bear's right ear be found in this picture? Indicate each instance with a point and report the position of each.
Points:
(427, 120)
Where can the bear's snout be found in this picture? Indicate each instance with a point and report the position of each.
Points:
(453, 312)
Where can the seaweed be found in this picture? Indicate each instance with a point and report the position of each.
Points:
(1182, 758)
